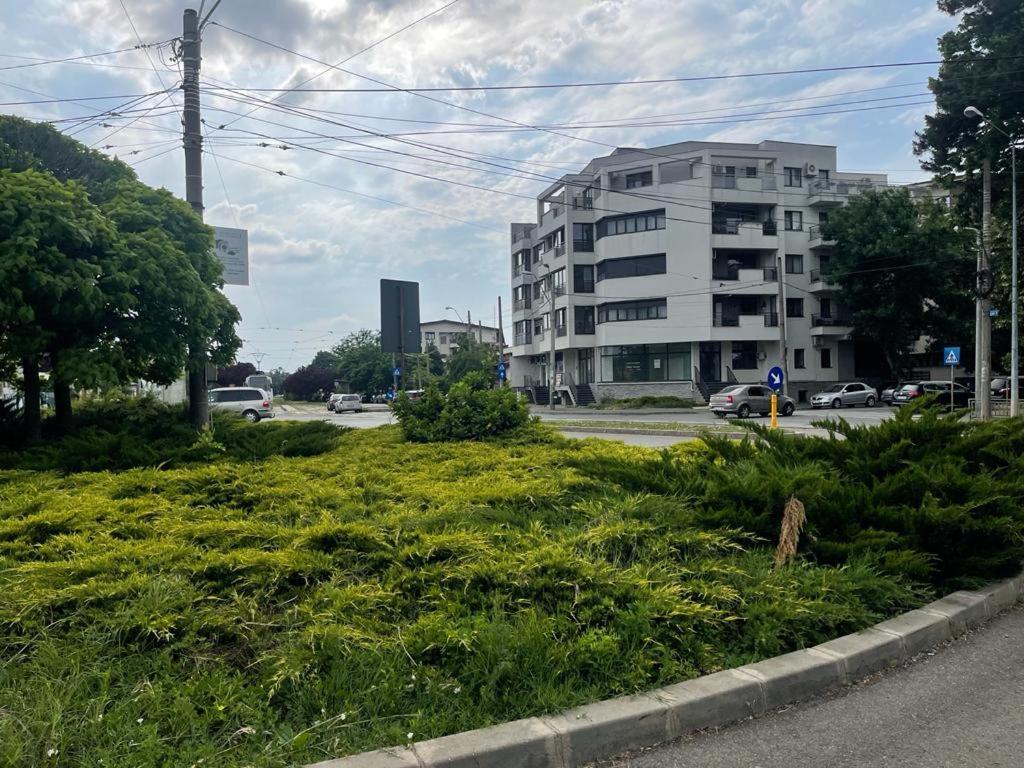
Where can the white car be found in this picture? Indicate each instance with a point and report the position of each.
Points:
(352, 403)
(254, 404)
(332, 402)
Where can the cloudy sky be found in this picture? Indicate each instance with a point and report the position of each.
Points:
(322, 236)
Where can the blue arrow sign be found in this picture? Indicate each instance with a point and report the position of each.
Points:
(951, 355)
(501, 371)
(775, 378)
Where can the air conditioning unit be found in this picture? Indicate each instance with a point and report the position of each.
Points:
(810, 169)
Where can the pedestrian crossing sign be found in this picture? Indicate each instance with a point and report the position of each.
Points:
(951, 355)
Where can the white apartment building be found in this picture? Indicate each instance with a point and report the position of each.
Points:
(662, 269)
(445, 334)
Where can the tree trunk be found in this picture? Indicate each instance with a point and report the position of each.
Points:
(198, 405)
(33, 422)
(62, 406)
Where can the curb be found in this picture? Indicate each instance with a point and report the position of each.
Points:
(629, 431)
(607, 728)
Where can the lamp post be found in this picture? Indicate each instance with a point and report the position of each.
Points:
(972, 111)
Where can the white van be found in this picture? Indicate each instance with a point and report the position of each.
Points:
(254, 404)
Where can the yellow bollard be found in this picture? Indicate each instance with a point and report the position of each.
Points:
(775, 411)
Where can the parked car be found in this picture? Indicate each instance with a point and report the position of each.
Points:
(743, 399)
(332, 402)
(939, 390)
(252, 403)
(1001, 387)
(348, 403)
(967, 382)
(414, 394)
(888, 392)
(845, 396)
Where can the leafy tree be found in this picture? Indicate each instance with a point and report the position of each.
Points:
(67, 290)
(277, 377)
(471, 355)
(235, 375)
(435, 364)
(309, 383)
(326, 359)
(902, 272)
(362, 363)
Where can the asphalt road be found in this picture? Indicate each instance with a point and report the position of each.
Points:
(962, 706)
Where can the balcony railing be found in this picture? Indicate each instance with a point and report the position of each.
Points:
(815, 234)
(521, 338)
(586, 329)
(817, 276)
(582, 203)
(559, 290)
(842, 186)
(538, 335)
(520, 304)
(583, 245)
(520, 269)
(561, 330)
(732, 226)
(559, 250)
(732, 272)
(828, 321)
(771, 320)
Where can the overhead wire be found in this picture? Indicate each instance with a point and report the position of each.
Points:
(68, 59)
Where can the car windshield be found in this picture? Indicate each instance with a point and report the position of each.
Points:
(908, 388)
(835, 388)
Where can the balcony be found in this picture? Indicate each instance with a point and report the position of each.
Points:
(829, 194)
(815, 238)
(819, 282)
(727, 188)
(520, 269)
(584, 329)
(744, 280)
(520, 339)
(751, 235)
(521, 304)
(583, 245)
(561, 330)
(831, 325)
(559, 250)
(728, 326)
(559, 290)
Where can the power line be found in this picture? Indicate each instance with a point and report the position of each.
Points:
(348, 58)
(67, 59)
(42, 60)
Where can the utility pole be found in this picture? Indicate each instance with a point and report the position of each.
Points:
(501, 343)
(192, 140)
(783, 348)
(1014, 298)
(983, 387)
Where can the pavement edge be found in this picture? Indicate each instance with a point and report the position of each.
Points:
(607, 728)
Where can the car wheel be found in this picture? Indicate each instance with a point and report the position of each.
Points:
(837, 403)
(744, 411)
(787, 409)
(251, 416)
(870, 402)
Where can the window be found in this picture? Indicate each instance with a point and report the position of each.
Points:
(794, 264)
(794, 220)
(823, 175)
(798, 359)
(633, 266)
(744, 355)
(794, 177)
(583, 278)
(825, 307)
(429, 336)
(641, 179)
(583, 237)
(751, 171)
(723, 176)
(538, 326)
(826, 358)
(621, 311)
(560, 317)
(584, 317)
(537, 288)
(794, 307)
(823, 218)
(855, 387)
(444, 338)
(646, 362)
(632, 222)
(558, 281)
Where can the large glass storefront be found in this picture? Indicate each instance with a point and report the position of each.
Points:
(646, 362)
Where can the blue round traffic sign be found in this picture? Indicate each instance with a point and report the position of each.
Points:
(775, 378)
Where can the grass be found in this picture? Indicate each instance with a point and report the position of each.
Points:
(647, 401)
(249, 608)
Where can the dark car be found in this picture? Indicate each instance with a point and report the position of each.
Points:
(1001, 387)
(938, 390)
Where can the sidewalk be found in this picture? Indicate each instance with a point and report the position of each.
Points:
(962, 705)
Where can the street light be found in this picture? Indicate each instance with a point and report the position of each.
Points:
(972, 111)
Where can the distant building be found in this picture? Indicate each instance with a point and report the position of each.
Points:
(945, 193)
(445, 335)
(658, 272)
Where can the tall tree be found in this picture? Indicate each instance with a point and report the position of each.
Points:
(362, 363)
(309, 383)
(235, 375)
(902, 272)
(67, 289)
(471, 355)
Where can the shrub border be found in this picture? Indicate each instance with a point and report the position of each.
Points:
(607, 728)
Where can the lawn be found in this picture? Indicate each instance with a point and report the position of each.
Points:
(242, 607)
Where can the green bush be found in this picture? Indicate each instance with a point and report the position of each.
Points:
(470, 411)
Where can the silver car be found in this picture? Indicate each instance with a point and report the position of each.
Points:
(254, 404)
(352, 403)
(743, 399)
(845, 396)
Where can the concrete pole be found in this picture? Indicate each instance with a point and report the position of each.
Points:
(984, 388)
(1014, 298)
(551, 355)
(783, 342)
(192, 140)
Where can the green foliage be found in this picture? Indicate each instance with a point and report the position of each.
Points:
(470, 411)
(309, 383)
(235, 374)
(276, 613)
(362, 363)
(472, 356)
(880, 234)
(648, 401)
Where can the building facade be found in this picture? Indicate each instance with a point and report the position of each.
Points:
(657, 271)
(445, 335)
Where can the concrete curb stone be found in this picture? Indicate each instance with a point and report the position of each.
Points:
(606, 728)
